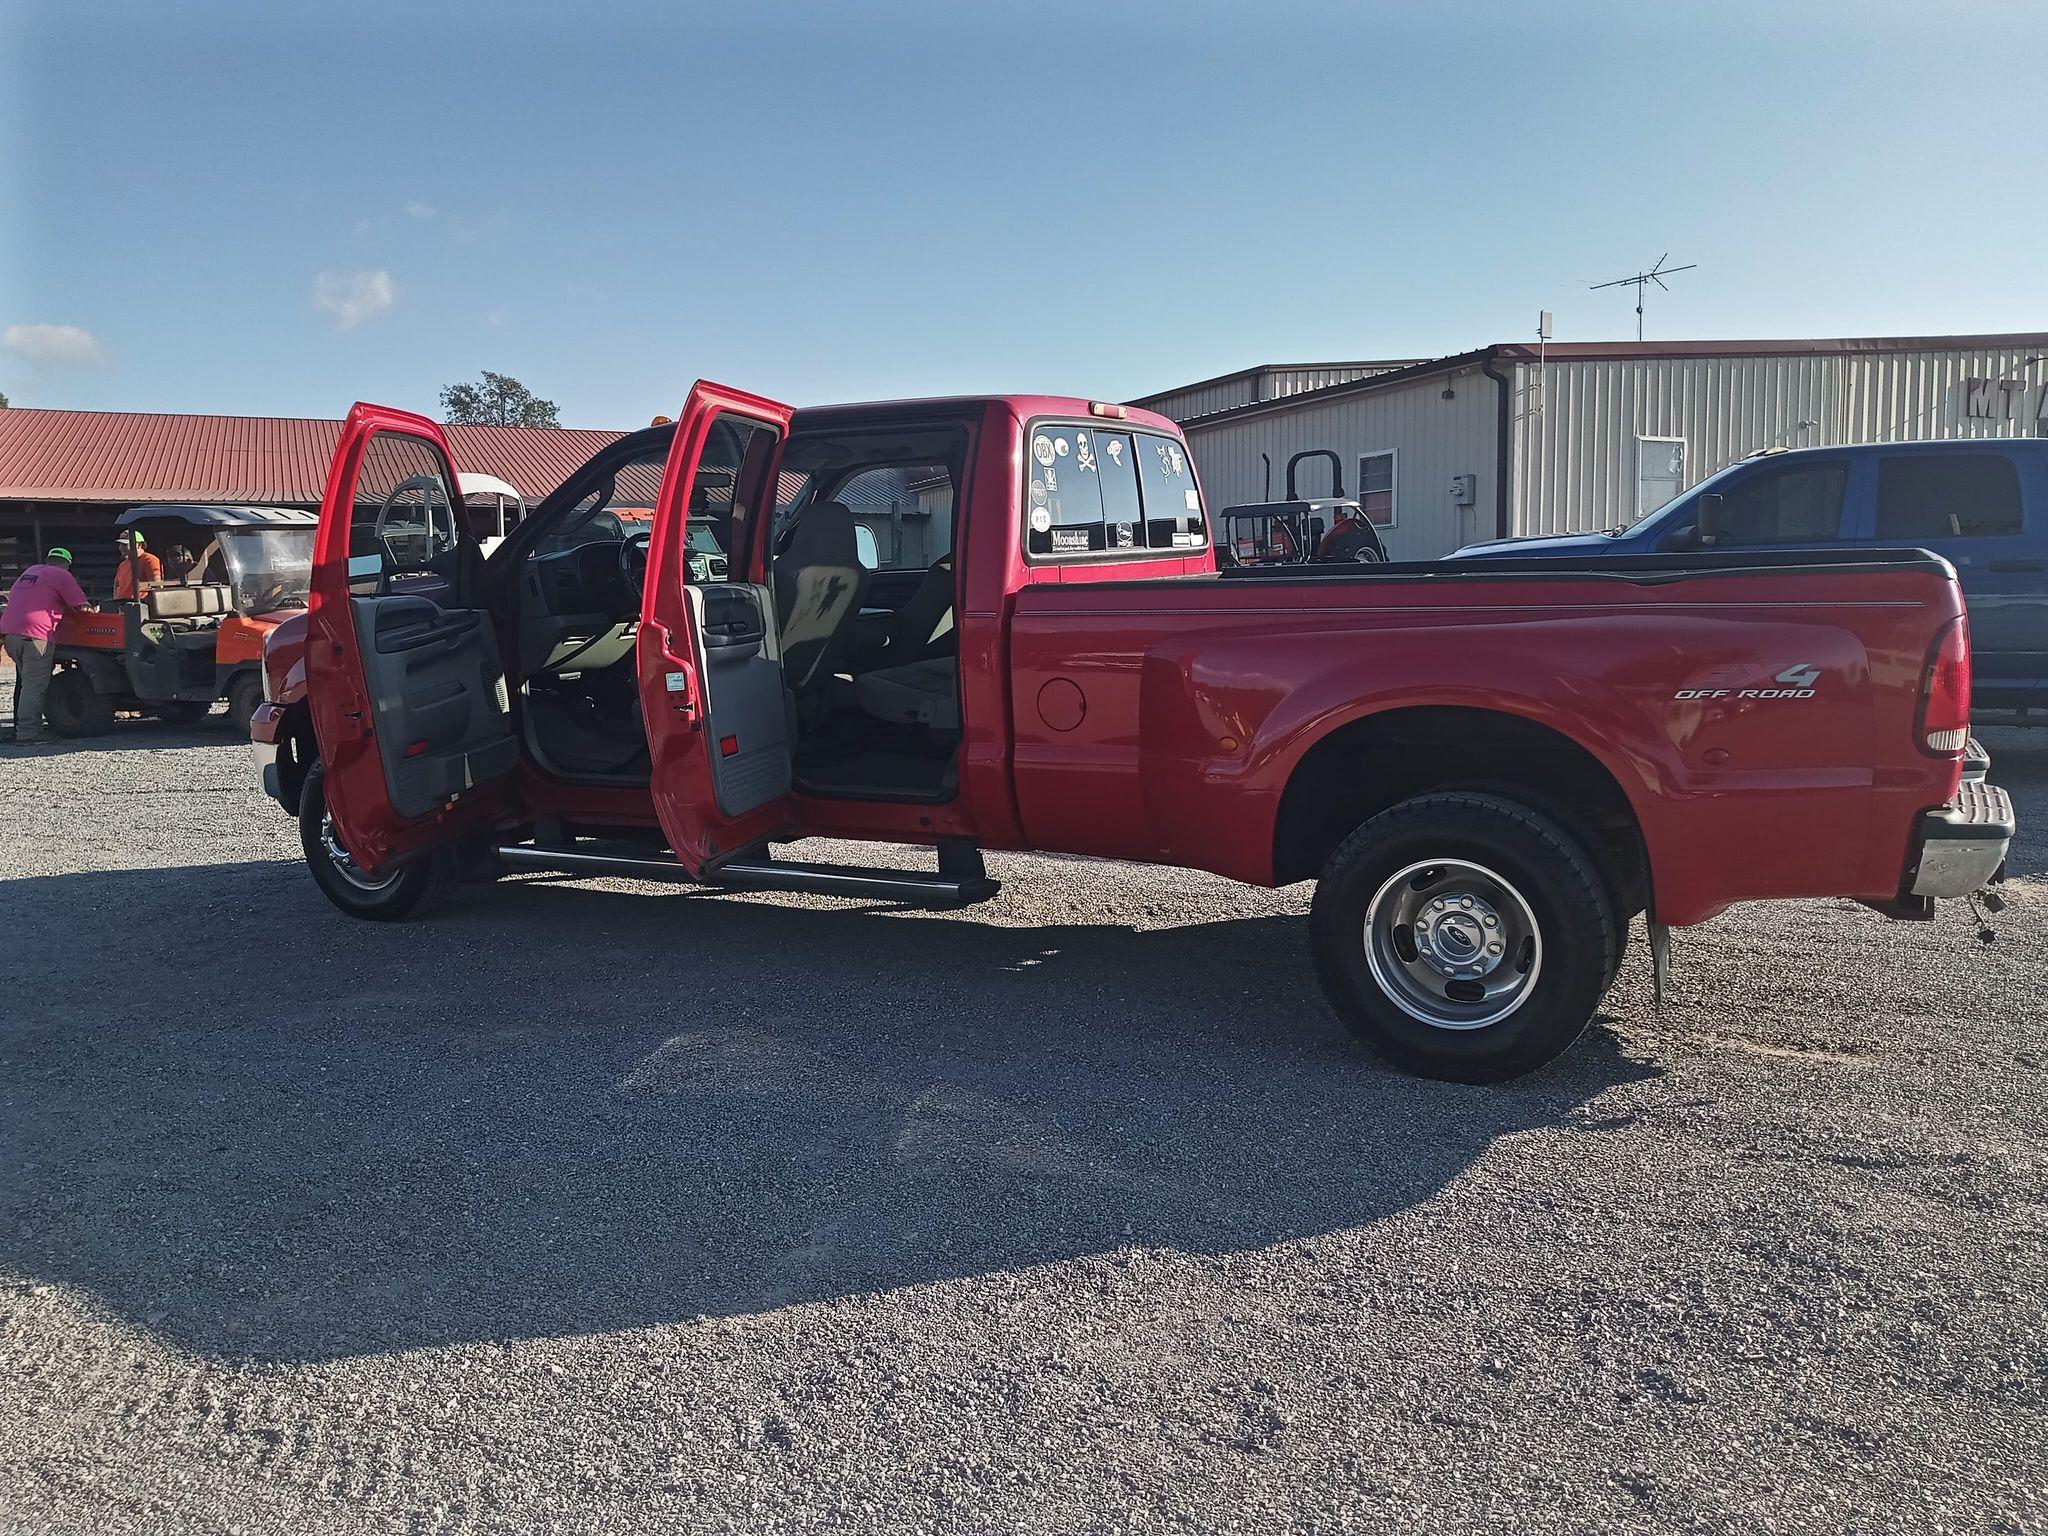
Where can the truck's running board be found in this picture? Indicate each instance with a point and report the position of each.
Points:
(938, 890)
(948, 888)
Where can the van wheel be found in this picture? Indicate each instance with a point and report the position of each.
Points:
(384, 897)
(73, 707)
(1464, 936)
(245, 692)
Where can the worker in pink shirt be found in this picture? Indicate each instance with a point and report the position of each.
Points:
(36, 604)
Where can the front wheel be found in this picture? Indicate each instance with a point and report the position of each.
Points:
(1464, 936)
(383, 897)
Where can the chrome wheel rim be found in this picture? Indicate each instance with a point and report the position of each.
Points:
(344, 863)
(1453, 944)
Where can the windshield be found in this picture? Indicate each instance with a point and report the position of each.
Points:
(269, 568)
(1685, 495)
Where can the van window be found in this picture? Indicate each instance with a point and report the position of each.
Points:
(1088, 492)
(1793, 503)
(1947, 496)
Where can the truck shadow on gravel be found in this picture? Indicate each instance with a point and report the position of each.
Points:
(264, 1132)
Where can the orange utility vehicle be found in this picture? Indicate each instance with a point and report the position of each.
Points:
(195, 636)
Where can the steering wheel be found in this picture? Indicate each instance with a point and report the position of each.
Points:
(633, 562)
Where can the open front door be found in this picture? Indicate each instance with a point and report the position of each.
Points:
(403, 672)
(711, 686)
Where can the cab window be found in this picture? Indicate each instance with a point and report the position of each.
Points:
(902, 513)
(1089, 491)
(402, 526)
(1947, 496)
(1795, 503)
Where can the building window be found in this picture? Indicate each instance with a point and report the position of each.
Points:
(1376, 488)
(1660, 471)
(1947, 496)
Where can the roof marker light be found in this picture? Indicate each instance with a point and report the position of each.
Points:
(1104, 408)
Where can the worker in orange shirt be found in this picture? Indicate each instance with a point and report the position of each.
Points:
(134, 558)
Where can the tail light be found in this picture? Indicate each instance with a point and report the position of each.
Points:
(1945, 691)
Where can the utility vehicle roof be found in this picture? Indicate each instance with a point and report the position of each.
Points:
(221, 517)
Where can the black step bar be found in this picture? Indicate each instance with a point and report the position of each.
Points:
(959, 882)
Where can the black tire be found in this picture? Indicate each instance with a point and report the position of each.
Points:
(73, 707)
(181, 711)
(245, 692)
(401, 892)
(1357, 546)
(1555, 920)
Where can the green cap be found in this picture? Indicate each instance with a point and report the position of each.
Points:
(61, 554)
(138, 538)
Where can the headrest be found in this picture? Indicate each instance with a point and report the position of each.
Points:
(178, 601)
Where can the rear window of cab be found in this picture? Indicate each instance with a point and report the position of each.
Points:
(1094, 491)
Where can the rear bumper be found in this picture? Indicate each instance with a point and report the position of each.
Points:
(1961, 848)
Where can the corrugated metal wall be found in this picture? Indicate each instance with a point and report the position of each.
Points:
(1202, 399)
(1574, 459)
(1432, 438)
(1266, 384)
(1280, 382)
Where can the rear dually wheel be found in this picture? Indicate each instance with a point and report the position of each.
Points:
(1464, 936)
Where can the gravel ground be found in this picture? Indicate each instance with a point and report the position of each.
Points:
(594, 1207)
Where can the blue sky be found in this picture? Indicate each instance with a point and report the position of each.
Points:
(279, 209)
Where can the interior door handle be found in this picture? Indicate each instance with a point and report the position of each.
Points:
(2019, 565)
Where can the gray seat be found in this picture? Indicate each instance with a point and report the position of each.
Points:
(924, 624)
(818, 585)
(917, 693)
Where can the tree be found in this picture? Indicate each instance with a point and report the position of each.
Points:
(497, 401)
(4, 402)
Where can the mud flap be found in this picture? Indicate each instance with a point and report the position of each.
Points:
(1660, 958)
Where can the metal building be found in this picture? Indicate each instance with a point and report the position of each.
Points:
(1510, 439)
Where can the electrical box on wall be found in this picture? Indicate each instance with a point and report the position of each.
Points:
(1464, 490)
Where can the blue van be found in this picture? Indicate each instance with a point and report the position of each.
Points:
(1981, 505)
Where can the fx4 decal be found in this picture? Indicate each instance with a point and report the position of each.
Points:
(1795, 682)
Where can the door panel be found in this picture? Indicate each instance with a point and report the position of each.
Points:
(744, 699)
(403, 671)
(437, 689)
(711, 685)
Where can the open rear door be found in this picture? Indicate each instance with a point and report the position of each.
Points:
(404, 677)
(719, 721)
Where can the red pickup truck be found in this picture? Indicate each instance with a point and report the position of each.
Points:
(997, 623)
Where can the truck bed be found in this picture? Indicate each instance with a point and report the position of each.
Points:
(1201, 698)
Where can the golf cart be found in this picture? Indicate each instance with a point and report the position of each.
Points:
(1301, 530)
(194, 636)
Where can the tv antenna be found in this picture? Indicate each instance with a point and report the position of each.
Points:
(1642, 280)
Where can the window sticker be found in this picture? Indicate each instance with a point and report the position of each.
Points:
(1069, 540)
(1116, 450)
(1085, 459)
(1040, 519)
(1041, 448)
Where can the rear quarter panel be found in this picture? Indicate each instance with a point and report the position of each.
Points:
(1198, 698)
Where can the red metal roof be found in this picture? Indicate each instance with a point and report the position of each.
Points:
(130, 456)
